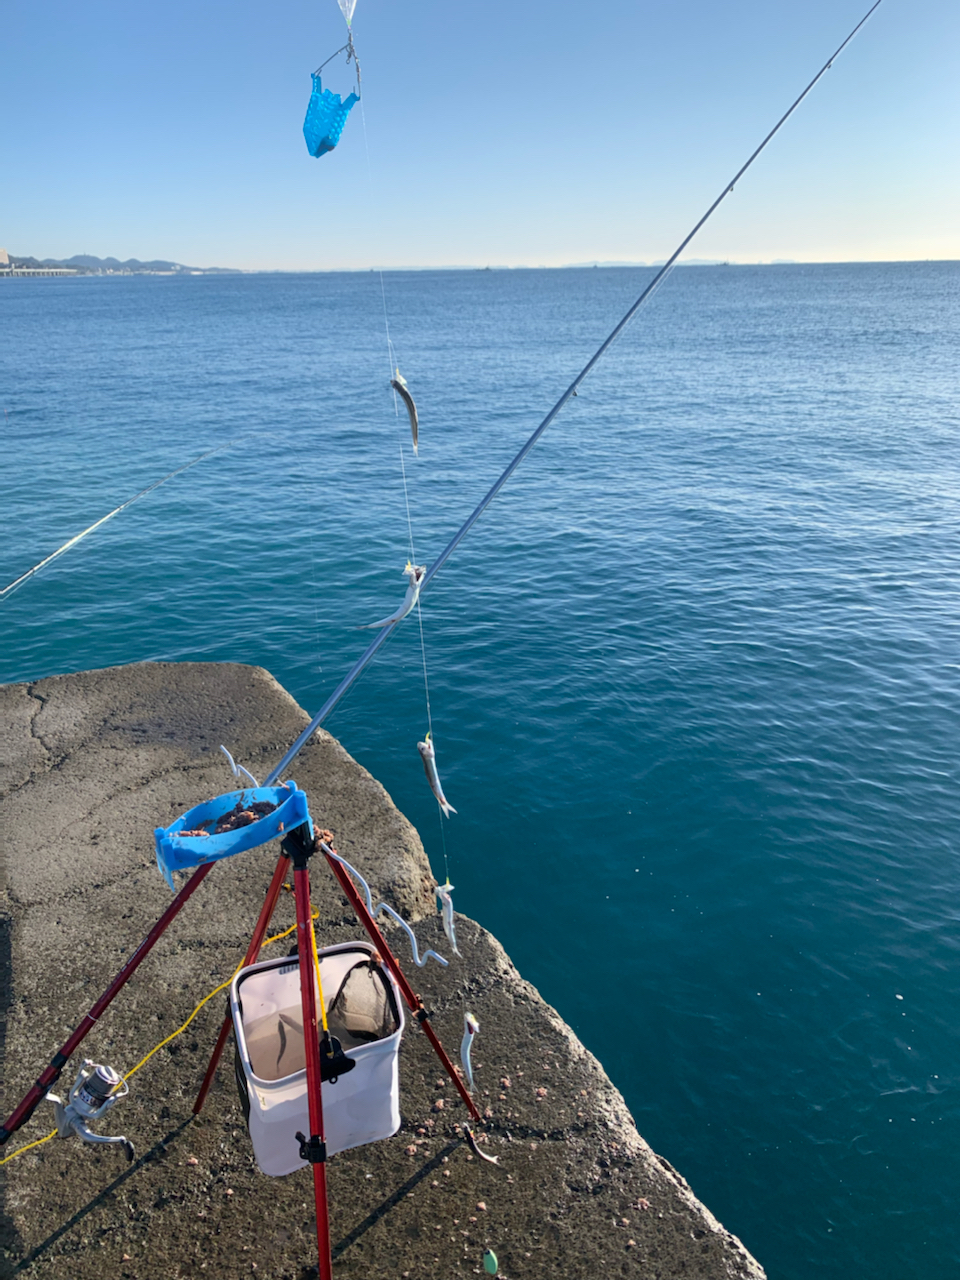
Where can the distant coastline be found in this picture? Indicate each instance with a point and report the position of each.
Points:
(87, 265)
(83, 264)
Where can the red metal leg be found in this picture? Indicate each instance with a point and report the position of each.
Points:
(314, 1148)
(256, 942)
(51, 1074)
(414, 1003)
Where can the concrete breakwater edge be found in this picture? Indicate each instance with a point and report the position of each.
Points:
(90, 763)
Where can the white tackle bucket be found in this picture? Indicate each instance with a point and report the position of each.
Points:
(365, 1014)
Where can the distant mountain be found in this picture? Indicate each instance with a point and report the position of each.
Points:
(85, 264)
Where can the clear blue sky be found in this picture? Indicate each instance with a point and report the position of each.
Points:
(540, 133)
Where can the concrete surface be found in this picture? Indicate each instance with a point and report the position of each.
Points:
(89, 765)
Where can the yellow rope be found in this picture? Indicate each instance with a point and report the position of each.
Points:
(20, 1150)
(316, 965)
(216, 991)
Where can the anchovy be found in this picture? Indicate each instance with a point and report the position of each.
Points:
(470, 1028)
(446, 907)
(414, 573)
(399, 384)
(429, 758)
(475, 1148)
(238, 769)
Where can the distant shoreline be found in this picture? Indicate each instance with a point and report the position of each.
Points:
(32, 268)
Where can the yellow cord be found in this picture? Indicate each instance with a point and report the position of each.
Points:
(216, 991)
(20, 1150)
(316, 965)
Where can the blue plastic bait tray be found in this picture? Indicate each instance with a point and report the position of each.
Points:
(178, 853)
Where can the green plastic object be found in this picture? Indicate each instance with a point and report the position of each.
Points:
(490, 1264)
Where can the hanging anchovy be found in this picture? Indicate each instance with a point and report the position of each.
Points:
(414, 573)
(446, 912)
(475, 1148)
(470, 1028)
(238, 769)
(399, 384)
(429, 758)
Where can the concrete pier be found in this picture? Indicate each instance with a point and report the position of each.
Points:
(89, 765)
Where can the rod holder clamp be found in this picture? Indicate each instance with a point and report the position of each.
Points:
(312, 1149)
(297, 845)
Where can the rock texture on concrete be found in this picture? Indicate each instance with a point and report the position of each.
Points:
(89, 765)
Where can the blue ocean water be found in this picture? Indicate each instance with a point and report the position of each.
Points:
(694, 676)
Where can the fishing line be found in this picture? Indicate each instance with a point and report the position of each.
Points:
(426, 690)
(601, 351)
(383, 292)
(393, 363)
(72, 542)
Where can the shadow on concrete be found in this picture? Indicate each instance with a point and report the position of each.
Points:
(156, 1150)
(384, 1208)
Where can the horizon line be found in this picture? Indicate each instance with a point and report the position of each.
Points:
(589, 264)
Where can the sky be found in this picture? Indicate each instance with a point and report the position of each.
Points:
(502, 134)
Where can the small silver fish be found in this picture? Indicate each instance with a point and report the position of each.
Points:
(470, 1028)
(446, 909)
(399, 384)
(238, 769)
(414, 574)
(429, 758)
(475, 1148)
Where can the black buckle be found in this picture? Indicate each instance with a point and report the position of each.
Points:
(334, 1063)
(312, 1149)
(423, 1016)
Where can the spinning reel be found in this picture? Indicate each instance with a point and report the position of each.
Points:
(94, 1092)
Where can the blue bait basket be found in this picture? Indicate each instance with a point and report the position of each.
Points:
(326, 116)
(178, 853)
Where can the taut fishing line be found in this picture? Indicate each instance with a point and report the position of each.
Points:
(393, 363)
(598, 355)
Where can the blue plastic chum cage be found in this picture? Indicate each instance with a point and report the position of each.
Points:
(326, 116)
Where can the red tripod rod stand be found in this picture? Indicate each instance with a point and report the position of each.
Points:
(256, 942)
(51, 1074)
(314, 1148)
(414, 1003)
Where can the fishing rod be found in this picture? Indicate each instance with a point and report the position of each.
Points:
(78, 537)
(601, 351)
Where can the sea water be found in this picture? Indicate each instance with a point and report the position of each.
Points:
(693, 677)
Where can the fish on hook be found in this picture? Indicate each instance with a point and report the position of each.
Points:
(238, 769)
(399, 384)
(429, 758)
(443, 892)
(475, 1148)
(470, 1028)
(414, 574)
